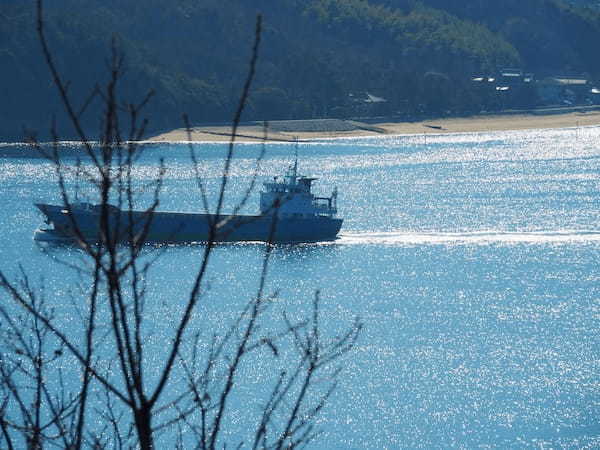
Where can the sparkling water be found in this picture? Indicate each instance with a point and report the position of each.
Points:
(472, 260)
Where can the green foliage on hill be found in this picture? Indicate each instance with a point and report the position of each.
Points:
(418, 55)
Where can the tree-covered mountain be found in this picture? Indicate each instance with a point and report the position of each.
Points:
(316, 55)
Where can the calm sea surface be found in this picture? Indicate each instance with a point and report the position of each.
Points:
(472, 259)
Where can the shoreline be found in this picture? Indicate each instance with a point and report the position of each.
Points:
(315, 129)
(320, 129)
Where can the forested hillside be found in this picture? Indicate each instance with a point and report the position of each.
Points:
(317, 56)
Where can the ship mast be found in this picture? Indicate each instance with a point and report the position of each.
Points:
(292, 173)
(296, 159)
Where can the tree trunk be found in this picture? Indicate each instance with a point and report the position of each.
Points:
(143, 419)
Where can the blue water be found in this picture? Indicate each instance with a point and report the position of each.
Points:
(472, 260)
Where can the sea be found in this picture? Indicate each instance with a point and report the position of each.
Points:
(471, 259)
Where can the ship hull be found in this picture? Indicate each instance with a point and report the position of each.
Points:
(177, 227)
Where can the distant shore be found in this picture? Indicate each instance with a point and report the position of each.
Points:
(289, 130)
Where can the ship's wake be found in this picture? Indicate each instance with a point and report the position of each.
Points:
(466, 238)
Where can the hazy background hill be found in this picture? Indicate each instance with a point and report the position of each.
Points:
(319, 58)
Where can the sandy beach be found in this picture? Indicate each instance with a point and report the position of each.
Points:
(291, 130)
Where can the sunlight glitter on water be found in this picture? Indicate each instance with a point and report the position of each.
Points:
(472, 260)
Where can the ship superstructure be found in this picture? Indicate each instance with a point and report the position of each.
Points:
(291, 197)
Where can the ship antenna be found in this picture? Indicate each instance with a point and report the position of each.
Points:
(296, 158)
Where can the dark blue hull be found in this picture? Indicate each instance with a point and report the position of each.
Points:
(175, 227)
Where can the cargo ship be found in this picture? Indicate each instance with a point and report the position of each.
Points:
(289, 213)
